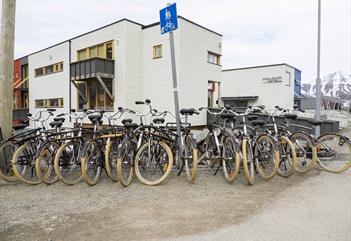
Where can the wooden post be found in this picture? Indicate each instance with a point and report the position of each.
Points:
(7, 39)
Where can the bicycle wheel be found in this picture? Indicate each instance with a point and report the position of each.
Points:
(91, 163)
(334, 152)
(288, 158)
(230, 160)
(306, 155)
(267, 157)
(190, 159)
(111, 154)
(210, 148)
(67, 163)
(7, 150)
(23, 163)
(125, 166)
(153, 162)
(248, 162)
(44, 162)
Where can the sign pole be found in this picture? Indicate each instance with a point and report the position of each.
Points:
(318, 80)
(175, 84)
(169, 23)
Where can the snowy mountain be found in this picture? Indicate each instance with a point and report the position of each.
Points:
(337, 84)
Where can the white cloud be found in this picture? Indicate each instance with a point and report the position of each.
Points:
(254, 32)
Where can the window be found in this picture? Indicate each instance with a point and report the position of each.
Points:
(49, 103)
(25, 101)
(95, 95)
(104, 50)
(157, 51)
(50, 69)
(39, 72)
(24, 71)
(214, 58)
(210, 94)
(109, 50)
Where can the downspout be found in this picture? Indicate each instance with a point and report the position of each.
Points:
(69, 78)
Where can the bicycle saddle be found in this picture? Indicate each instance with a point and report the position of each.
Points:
(96, 115)
(126, 121)
(130, 125)
(229, 116)
(190, 111)
(290, 116)
(251, 117)
(258, 122)
(158, 120)
(315, 123)
(62, 119)
(56, 124)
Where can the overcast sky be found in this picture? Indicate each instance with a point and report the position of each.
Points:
(254, 32)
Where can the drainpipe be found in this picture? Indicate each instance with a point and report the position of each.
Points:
(69, 79)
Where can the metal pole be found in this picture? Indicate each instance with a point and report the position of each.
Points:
(7, 39)
(175, 84)
(318, 80)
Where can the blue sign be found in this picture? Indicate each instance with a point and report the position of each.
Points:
(168, 19)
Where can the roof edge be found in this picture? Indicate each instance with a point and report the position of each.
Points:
(81, 35)
(261, 66)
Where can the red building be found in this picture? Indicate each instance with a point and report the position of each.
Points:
(20, 90)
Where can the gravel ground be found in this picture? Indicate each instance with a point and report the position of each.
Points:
(316, 206)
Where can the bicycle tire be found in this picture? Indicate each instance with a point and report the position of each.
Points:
(248, 165)
(265, 173)
(168, 168)
(110, 169)
(85, 163)
(342, 140)
(306, 152)
(122, 164)
(290, 169)
(191, 163)
(45, 177)
(62, 152)
(230, 176)
(21, 174)
(7, 149)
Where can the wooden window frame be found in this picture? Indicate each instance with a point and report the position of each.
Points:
(46, 103)
(218, 58)
(87, 96)
(154, 56)
(55, 69)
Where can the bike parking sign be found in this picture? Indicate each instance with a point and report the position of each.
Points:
(168, 18)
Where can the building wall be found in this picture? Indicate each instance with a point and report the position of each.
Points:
(192, 44)
(137, 75)
(195, 42)
(50, 86)
(250, 82)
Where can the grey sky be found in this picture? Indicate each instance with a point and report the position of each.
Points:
(254, 32)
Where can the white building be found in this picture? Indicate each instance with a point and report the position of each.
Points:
(268, 85)
(122, 62)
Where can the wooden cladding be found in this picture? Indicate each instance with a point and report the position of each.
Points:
(103, 50)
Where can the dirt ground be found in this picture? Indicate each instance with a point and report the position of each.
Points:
(210, 209)
(315, 206)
